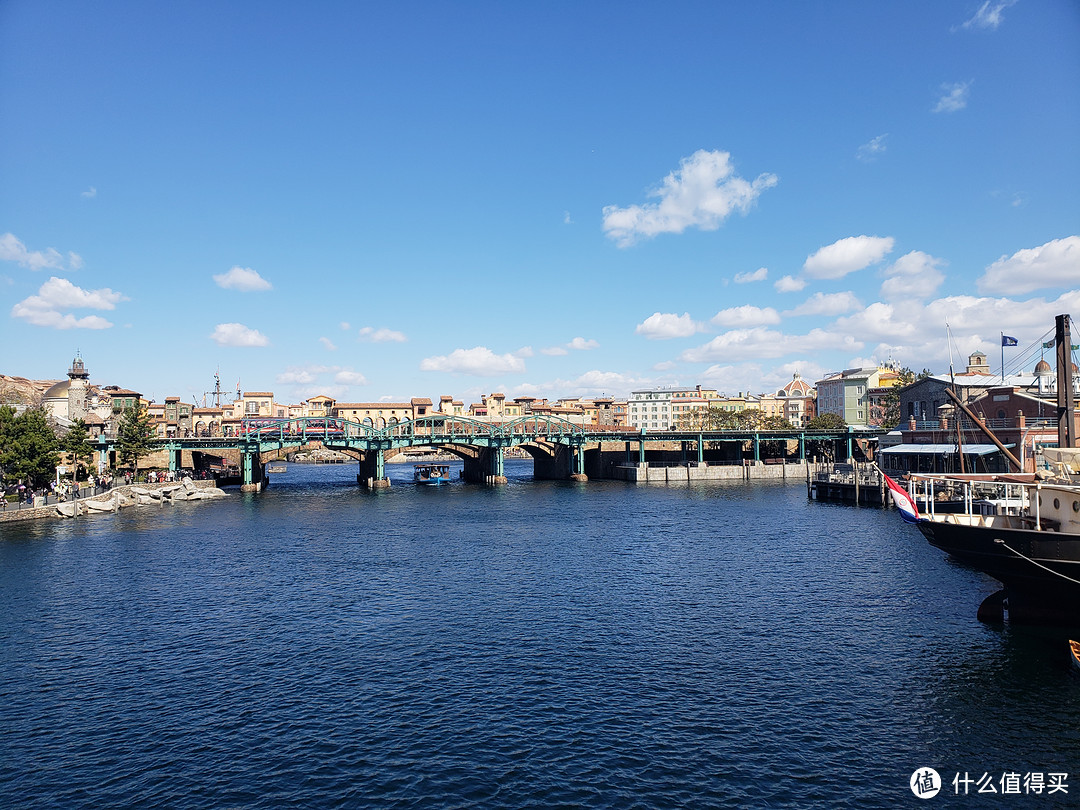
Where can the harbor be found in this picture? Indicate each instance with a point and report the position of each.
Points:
(658, 645)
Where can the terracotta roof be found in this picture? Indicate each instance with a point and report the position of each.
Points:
(258, 393)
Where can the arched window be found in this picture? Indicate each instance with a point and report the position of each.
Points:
(368, 422)
(393, 421)
(380, 423)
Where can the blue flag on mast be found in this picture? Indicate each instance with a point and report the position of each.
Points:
(1008, 341)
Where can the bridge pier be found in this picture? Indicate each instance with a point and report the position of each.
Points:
(486, 467)
(372, 470)
(252, 472)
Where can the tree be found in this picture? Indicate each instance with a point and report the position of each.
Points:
(77, 442)
(827, 421)
(133, 437)
(905, 377)
(27, 446)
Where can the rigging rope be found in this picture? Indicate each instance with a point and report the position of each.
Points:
(1033, 562)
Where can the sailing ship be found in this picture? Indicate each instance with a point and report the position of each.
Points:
(1021, 529)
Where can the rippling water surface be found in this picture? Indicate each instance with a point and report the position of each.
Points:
(536, 645)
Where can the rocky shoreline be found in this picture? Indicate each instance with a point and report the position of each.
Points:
(121, 497)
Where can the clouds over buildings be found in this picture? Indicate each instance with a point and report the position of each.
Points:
(243, 279)
(701, 193)
(50, 307)
(13, 250)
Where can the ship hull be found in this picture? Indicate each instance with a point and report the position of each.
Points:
(1039, 570)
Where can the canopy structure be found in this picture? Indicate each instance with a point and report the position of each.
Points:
(941, 449)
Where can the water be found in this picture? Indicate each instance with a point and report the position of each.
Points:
(543, 644)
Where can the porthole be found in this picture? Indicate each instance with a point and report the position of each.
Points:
(1076, 506)
(1057, 503)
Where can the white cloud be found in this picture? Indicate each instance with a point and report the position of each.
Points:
(828, 304)
(344, 326)
(89, 194)
(746, 315)
(870, 150)
(760, 342)
(236, 334)
(350, 378)
(243, 279)
(479, 361)
(954, 97)
(989, 14)
(524, 351)
(846, 256)
(1055, 264)
(701, 193)
(382, 335)
(667, 325)
(760, 274)
(328, 344)
(296, 376)
(789, 284)
(580, 344)
(13, 250)
(58, 294)
(914, 275)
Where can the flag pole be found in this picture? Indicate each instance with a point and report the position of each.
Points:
(1002, 358)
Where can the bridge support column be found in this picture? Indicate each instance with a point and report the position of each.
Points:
(372, 472)
(577, 462)
(700, 449)
(757, 448)
(802, 447)
(175, 456)
(251, 472)
(496, 470)
(850, 455)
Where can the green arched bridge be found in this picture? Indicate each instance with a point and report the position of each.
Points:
(557, 446)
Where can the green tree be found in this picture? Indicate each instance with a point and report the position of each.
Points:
(77, 442)
(891, 415)
(133, 437)
(27, 447)
(827, 421)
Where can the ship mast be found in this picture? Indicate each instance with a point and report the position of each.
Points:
(217, 389)
(1066, 400)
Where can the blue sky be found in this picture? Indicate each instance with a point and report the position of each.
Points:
(379, 201)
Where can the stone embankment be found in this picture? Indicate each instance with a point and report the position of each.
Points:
(121, 497)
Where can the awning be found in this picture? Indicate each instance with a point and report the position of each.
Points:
(942, 449)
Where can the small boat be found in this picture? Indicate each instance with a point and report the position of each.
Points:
(1074, 652)
(276, 468)
(431, 474)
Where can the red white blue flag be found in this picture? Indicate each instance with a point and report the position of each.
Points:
(902, 501)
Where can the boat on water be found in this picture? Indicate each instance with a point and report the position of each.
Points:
(431, 474)
(1074, 652)
(276, 468)
(1023, 533)
(1022, 528)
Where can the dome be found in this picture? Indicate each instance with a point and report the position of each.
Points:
(57, 391)
(796, 388)
(1042, 367)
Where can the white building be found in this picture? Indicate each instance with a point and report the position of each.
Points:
(650, 409)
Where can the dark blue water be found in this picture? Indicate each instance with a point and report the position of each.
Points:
(535, 645)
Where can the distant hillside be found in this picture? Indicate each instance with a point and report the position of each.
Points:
(19, 390)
